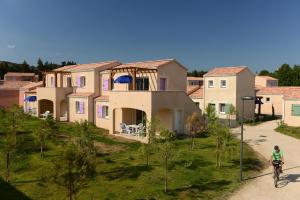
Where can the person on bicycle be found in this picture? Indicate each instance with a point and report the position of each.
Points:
(277, 157)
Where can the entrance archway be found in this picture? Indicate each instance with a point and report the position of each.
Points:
(45, 105)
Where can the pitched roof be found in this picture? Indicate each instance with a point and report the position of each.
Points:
(19, 74)
(195, 92)
(267, 77)
(32, 85)
(151, 64)
(225, 71)
(81, 94)
(278, 90)
(102, 98)
(16, 85)
(194, 78)
(293, 94)
(89, 66)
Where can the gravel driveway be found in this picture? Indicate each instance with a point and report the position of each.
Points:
(262, 138)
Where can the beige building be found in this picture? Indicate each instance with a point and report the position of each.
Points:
(291, 108)
(265, 81)
(110, 94)
(194, 81)
(135, 92)
(69, 91)
(225, 86)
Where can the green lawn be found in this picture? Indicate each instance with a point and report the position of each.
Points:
(288, 130)
(121, 170)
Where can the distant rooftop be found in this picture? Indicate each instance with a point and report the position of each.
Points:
(19, 74)
(190, 78)
(16, 85)
(267, 77)
(225, 71)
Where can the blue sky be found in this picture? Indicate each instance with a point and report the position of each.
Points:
(199, 33)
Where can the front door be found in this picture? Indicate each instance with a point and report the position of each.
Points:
(178, 121)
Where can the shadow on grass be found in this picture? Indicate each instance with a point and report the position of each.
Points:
(8, 192)
(193, 164)
(127, 172)
(199, 188)
(249, 164)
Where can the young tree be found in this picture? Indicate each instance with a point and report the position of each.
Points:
(195, 124)
(231, 112)
(167, 151)
(220, 131)
(78, 162)
(152, 128)
(13, 118)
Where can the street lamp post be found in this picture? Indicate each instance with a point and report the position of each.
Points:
(245, 98)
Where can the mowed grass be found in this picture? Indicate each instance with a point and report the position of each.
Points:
(121, 169)
(288, 130)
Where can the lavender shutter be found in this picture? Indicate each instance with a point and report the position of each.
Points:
(81, 107)
(162, 83)
(99, 110)
(105, 84)
(78, 81)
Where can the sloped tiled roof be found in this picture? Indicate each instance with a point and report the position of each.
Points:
(102, 98)
(267, 78)
(81, 94)
(14, 84)
(151, 64)
(195, 92)
(32, 85)
(88, 66)
(194, 78)
(288, 92)
(19, 74)
(225, 71)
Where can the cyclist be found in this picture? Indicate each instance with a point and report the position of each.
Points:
(277, 157)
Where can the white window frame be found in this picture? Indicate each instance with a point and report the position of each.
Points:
(223, 86)
(220, 108)
(105, 111)
(208, 83)
(82, 81)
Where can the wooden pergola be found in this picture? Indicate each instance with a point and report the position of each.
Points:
(132, 71)
(61, 73)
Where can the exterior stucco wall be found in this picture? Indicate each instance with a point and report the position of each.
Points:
(287, 117)
(9, 98)
(201, 104)
(176, 76)
(88, 109)
(275, 100)
(246, 87)
(217, 95)
(90, 81)
(102, 122)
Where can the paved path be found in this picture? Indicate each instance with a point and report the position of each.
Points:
(262, 138)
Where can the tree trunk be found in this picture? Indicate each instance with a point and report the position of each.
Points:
(7, 167)
(42, 153)
(70, 182)
(166, 174)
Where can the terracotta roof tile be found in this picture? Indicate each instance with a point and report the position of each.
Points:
(19, 74)
(89, 66)
(225, 71)
(33, 85)
(81, 94)
(194, 78)
(151, 64)
(102, 98)
(196, 92)
(14, 84)
(267, 77)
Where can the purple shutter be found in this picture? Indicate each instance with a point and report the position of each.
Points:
(52, 81)
(78, 81)
(105, 84)
(162, 83)
(99, 111)
(81, 107)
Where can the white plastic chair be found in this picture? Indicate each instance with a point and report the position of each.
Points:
(46, 114)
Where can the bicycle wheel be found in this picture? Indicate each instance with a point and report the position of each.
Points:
(275, 177)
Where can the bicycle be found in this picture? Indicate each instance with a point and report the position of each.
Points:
(276, 171)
